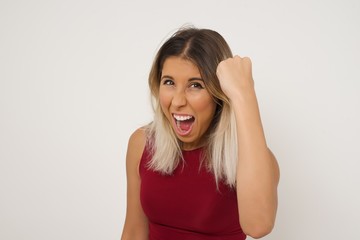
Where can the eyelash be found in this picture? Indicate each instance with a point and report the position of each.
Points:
(168, 82)
(196, 85)
(192, 85)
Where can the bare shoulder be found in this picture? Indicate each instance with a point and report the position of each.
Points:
(136, 146)
(138, 137)
(136, 223)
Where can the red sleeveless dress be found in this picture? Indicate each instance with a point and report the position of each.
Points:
(186, 205)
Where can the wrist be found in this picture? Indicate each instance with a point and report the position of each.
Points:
(244, 95)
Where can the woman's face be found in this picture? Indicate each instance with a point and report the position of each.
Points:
(185, 101)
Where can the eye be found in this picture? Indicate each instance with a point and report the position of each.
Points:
(196, 85)
(167, 82)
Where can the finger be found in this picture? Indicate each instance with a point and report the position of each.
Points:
(237, 57)
(247, 62)
(246, 59)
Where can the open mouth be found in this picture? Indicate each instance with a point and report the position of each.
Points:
(183, 123)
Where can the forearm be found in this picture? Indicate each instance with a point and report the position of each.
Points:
(257, 170)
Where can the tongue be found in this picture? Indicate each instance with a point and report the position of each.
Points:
(185, 125)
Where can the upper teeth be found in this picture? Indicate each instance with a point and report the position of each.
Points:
(182, 118)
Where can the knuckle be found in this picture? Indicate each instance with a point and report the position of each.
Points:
(247, 59)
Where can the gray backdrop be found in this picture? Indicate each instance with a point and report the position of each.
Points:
(73, 87)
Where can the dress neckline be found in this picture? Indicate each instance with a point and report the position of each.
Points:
(192, 150)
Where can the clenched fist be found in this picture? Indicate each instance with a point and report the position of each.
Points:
(235, 76)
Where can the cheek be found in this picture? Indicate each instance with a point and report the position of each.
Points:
(164, 100)
(205, 113)
(206, 106)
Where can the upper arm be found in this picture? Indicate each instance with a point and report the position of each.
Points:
(136, 225)
(276, 167)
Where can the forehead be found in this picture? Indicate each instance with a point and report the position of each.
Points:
(178, 66)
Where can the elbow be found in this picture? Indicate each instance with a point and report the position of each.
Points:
(257, 231)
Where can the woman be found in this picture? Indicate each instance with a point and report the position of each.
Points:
(201, 169)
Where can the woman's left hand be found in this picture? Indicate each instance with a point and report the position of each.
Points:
(235, 76)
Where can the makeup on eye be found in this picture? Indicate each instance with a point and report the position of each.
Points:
(195, 84)
(192, 82)
(167, 81)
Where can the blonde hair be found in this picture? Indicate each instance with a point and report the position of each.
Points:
(206, 49)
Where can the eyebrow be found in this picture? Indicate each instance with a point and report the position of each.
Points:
(190, 79)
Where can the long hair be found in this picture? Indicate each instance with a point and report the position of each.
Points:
(206, 49)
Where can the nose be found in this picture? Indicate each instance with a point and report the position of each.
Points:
(179, 99)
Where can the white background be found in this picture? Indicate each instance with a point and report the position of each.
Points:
(73, 87)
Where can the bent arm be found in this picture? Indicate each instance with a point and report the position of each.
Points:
(257, 170)
(136, 225)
